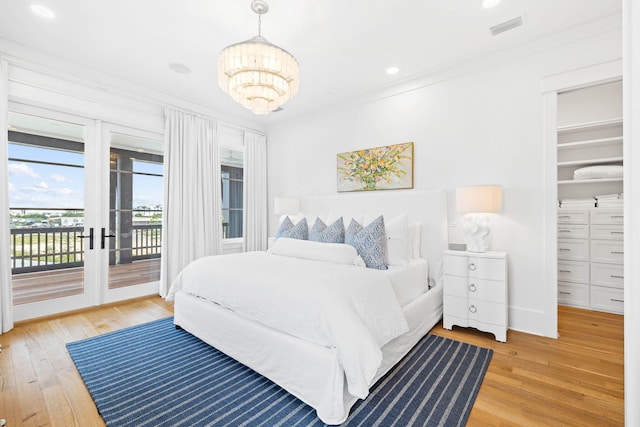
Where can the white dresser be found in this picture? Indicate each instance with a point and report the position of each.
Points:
(475, 291)
(590, 258)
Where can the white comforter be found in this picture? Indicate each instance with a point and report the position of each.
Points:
(349, 308)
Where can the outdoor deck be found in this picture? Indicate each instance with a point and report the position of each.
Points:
(42, 285)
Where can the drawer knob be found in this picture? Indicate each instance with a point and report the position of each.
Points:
(615, 276)
(472, 267)
(564, 271)
(472, 308)
(617, 300)
(617, 216)
(472, 287)
(617, 252)
(564, 293)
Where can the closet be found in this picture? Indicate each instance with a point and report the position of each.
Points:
(590, 198)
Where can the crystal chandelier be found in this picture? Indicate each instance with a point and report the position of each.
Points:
(257, 74)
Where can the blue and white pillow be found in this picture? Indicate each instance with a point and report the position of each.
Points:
(331, 234)
(298, 231)
(368, 241)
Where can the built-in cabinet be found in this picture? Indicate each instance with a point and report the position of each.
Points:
(590, 217)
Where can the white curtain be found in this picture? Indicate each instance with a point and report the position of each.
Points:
(255, 192)
(6, 306)
(192, 227)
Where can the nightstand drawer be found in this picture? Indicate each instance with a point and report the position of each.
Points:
(607, 231)
(486, 268)
(573, 249)
(573, 216)
(609, 275)
(573, 294)
(486, 312)
(607, 299)
(486, 290)
(454, 285)
(573, 231)
(607, 216)
(455, 306)
(573, 271)
(610, 251)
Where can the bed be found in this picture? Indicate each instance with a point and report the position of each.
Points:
(333, 364)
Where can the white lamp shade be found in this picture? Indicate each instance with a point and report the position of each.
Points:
(479, 199)
(285, 206)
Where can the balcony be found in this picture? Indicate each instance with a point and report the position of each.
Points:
(47, 262)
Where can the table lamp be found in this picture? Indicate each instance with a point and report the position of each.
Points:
(476, 201)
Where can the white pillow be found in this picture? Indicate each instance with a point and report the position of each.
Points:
(336, 253)
(598, 171)
(396, 231)
(414, 239)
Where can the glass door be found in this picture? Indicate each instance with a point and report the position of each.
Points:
(133, 232)
(51, 235)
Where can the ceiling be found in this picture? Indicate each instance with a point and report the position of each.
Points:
(343, 46)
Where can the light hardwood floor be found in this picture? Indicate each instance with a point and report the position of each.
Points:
(576, 380)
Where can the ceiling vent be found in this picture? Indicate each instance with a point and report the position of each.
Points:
(506, 26)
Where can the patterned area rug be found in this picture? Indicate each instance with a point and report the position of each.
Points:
(156, 375)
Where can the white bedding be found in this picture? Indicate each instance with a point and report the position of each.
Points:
(351, 309)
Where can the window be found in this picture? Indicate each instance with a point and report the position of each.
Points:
(231, 166)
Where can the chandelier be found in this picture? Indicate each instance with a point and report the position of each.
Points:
(257, 74)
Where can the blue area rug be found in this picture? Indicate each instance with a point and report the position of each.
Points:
(156, 375)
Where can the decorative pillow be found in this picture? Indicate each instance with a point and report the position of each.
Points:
(331, 234)
(336, 253)
(368, 241)
(298, 231)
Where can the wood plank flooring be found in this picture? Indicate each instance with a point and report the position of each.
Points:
(576, 380)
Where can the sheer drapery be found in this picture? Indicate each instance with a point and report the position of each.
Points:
(6, 306)
(255, 194)
(192, 201)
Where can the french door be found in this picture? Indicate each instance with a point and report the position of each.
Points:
(77, 188)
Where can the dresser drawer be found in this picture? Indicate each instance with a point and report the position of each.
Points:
(573, 271)
(487, 290)
(454, 285)
(573, 294)
(607, 231)
(609, 275)
(486, 312)
(607, 216)
(573, 231)
(487, 268)
(610, 251)
(607, 299)
(456, 306)
(577, 216)
(573, 249)
(455, 265)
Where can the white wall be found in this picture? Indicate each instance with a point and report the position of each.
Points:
(482, 125)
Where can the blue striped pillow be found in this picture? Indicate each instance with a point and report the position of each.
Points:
(298, 231)
(331, 234)
(368, 241)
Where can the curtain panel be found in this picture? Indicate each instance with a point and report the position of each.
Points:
(192, 197)
(255, 194)
(6, 304)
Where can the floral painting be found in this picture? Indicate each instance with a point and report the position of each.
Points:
(381, 168)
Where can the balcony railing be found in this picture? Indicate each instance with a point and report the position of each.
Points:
(51, 248)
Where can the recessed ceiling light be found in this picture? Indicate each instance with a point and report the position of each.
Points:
(42, 11)
(488, 4)
(180, 68)
(393, 70)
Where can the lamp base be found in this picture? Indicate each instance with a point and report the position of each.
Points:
(476, 230)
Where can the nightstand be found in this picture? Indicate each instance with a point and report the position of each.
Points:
(475, 291)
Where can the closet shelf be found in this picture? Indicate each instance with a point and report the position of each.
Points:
(597, 161)
(588, 181)
(590, 125)
(599, 141)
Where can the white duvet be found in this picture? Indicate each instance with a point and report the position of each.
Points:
(351, 309)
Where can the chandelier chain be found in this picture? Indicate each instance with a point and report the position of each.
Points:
(260, 25)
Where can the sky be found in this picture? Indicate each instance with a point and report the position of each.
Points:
(42, 186)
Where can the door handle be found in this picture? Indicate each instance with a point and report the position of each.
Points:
(90, 237)
(104, 237)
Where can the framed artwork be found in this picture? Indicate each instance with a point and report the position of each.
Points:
(380, 168)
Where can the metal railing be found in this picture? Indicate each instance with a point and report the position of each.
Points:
(51, 248)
